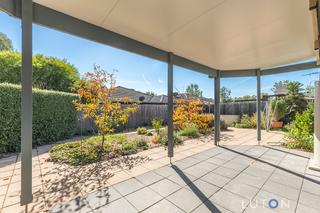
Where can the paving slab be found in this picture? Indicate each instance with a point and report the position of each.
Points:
(165, 171)
(202, 188)
(185, 199)
(226, 172)
(282, 190)
(78, 205)
(163, 206)
(102, 197)
(143, 198)
(306, 209)
(182, 178)
(118, 206)
(128, 186)
(165, 187)
(310, 200)
(241, 189)
(149, 178)
(215, 179)
(270, 200)
(230, 201)
(209, 207)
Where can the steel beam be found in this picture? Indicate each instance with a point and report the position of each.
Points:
(290, 68)
(170, 105)
(217, 109)
(26, 103)
(182, 62)
(237, 73)
(258, 107)
(269, 71)
(9, 7)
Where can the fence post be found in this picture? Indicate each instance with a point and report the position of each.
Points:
(26, 103)
(170, 105)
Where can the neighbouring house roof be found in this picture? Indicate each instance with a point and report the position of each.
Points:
(138, 96)
(132, 94)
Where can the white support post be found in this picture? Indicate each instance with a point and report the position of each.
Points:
(26, 103)
(315, 161)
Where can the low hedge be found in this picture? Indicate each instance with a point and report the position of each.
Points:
(54, 116)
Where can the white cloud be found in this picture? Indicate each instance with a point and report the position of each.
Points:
(146, 80)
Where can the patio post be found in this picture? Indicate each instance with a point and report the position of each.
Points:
(315, 162)
(26, 103)
(170, 104)
(258, 107)
(217, 108)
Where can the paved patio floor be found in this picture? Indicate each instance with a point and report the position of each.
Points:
(238, 176)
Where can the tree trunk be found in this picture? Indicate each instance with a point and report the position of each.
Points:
(102, 141)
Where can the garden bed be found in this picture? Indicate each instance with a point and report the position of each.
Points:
(88, 150)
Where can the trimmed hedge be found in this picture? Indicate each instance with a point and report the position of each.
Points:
(48, 72)
(54, 117)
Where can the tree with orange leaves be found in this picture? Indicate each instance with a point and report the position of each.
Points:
(97, 102)
(189, 112)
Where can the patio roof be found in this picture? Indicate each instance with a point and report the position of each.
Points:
(236, 37)
(221, 34)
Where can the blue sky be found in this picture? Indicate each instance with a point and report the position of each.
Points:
(134, 71)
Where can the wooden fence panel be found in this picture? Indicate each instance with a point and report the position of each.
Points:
(147, 112)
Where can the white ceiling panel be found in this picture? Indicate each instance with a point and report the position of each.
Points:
(223, 34)
(92, 11)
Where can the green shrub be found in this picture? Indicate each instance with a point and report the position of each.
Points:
(190, 131)
(90, 150)
(142, 143)
(250, 122)
(223, 125)
(54, 117)
(72, 153)
(128, 148)
(281, 109)
(301, 134)
(164, 138)
(245, 122)
(142, 131)
(149, 133)
(115, 139)
(157, 125)
(48, 72)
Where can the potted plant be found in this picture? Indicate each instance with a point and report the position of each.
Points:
(279, 108)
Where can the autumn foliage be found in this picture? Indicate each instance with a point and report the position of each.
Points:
(97, 102)
(189, 112)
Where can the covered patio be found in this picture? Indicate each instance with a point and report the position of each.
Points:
(228, 178)
(220, 39)
(237, 176)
